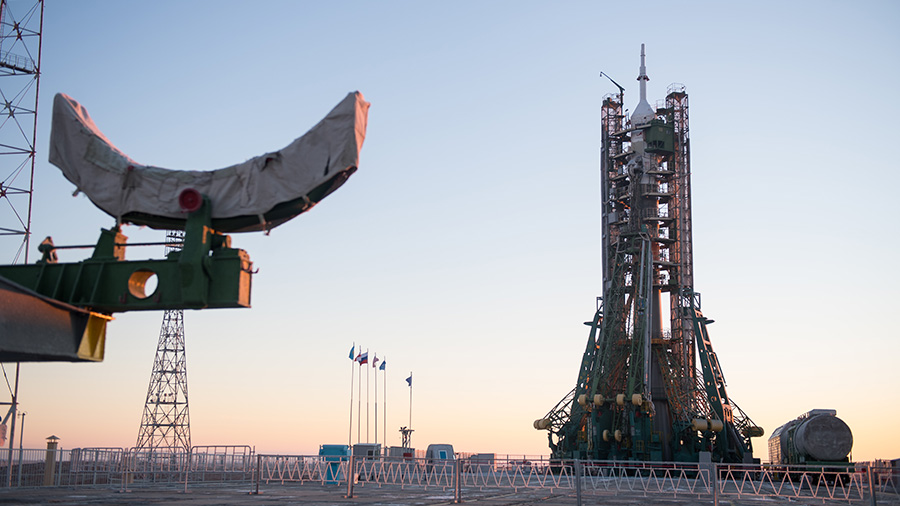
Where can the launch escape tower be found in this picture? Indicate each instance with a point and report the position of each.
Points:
(166, 422)
(639, 393)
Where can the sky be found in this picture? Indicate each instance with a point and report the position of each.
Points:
(466, 249)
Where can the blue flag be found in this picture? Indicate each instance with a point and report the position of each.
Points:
(409, 380)
(351, 351)
(383, 363)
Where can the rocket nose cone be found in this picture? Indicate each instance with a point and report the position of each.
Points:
(643, 113)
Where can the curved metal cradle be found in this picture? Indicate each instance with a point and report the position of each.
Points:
(255, 195)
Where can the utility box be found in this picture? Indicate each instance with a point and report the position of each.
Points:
(334, 455)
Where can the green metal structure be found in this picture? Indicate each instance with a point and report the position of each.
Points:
(587, 424)
(206, 273)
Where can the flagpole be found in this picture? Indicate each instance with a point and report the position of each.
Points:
(384, 378)
(410, 399)
(367, 400)
(359, 404)
(374, 366)
(352, 372)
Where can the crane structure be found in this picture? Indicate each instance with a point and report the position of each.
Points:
(639, 394)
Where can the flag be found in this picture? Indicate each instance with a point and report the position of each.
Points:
(363, 358)
(351, 350)
(383, 363)
(374, 359)
(409, 380)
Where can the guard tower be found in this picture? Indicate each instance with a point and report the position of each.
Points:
(639, 395)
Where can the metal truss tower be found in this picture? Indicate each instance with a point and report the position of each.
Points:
(639, 393)
(166, 422)
(21, 24)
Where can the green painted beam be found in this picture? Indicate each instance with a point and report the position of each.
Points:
(206, 273)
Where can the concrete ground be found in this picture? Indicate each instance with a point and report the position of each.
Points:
(315, 495)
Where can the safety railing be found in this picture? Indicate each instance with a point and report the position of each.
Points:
(883, 476)
(123, 469)
(95, 466)
(667, 479)
(146, 466)
(16, 62)
(301, 468)
(32, 468)
(220, 464)
(796, 482)
(482, 474)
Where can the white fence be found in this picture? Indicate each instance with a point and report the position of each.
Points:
(122, 469)
(853, 483)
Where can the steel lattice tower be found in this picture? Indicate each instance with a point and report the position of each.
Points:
(21, 26)
(166, 423)
(20, 61)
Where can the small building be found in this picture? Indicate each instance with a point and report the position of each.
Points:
(400, 452)
(482, 463)
(440, 459)
(367, 450)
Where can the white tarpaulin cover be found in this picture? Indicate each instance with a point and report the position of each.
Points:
(255, 195)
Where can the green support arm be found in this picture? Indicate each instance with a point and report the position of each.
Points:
(206, 273)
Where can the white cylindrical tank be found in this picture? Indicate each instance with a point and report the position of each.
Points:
(823, 437)
(818, 435)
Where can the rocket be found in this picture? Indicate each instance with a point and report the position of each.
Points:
(643, 113)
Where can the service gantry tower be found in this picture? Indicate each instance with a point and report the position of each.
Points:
(21, 24)
(639, 395)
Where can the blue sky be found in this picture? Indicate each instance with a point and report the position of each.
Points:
(467, 247)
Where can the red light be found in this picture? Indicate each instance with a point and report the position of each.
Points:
(190, 200)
